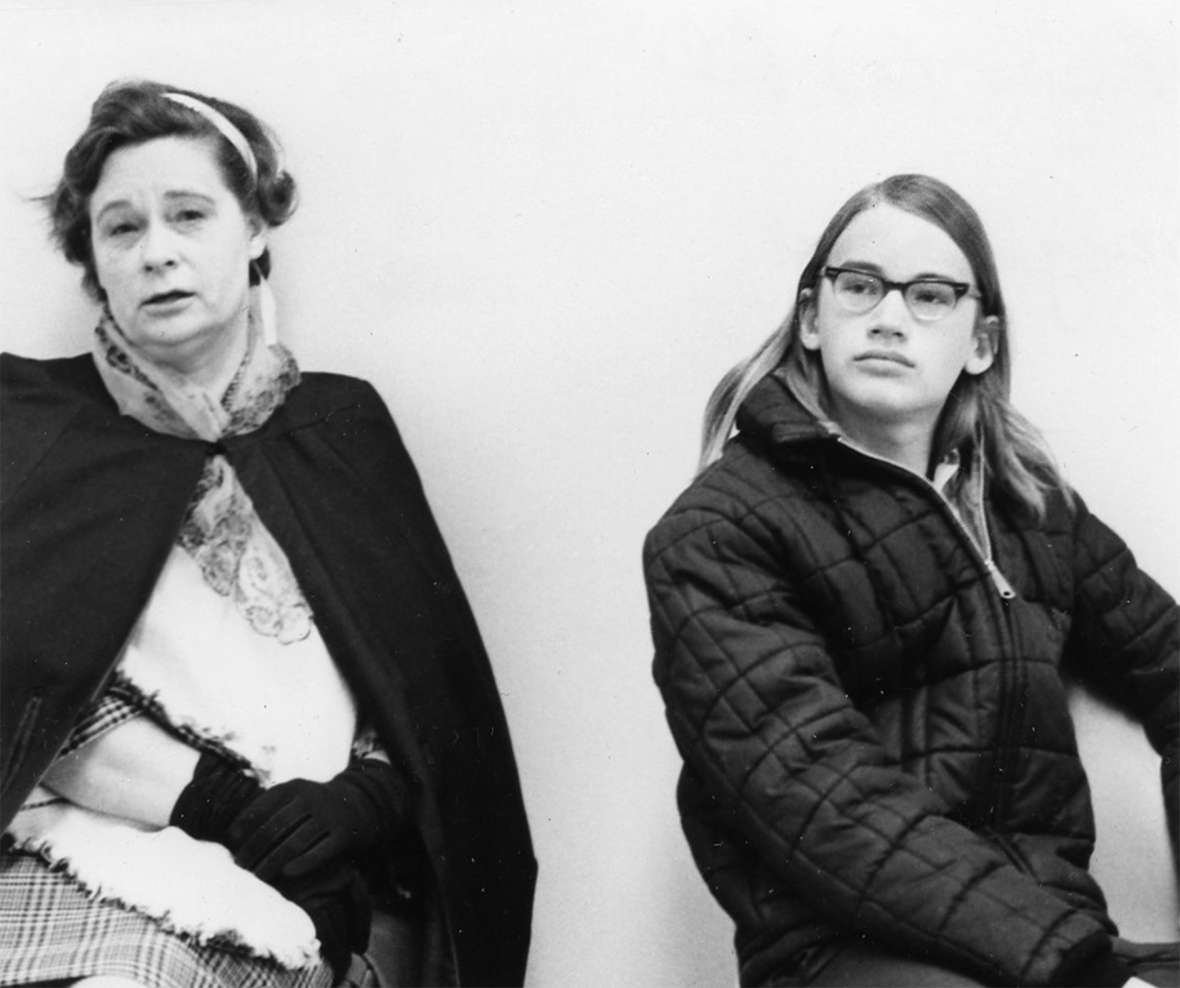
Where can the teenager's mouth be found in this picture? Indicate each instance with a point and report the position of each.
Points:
(890, 356)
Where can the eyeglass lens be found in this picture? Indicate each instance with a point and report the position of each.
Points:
(928, 300)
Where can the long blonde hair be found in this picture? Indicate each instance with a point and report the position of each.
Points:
(978, 407)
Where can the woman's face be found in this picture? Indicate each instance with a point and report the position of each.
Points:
(172, 250)
(884, 366)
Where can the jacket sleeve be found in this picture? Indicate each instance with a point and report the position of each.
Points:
(1125, 644)
(758, 712)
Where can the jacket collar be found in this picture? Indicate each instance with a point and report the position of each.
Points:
(773, 413)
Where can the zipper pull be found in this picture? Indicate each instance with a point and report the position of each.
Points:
(1000, 581)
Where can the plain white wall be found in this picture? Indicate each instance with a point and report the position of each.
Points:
(544, 229)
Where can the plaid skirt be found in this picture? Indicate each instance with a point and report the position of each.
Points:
(51, 930)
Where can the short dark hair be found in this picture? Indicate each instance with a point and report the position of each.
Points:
(132, 112)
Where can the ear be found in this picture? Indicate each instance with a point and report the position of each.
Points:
(986, 340)
(259, 236)
(808, 333)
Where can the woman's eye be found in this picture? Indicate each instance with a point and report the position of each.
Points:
(120, 229)
(190, 215)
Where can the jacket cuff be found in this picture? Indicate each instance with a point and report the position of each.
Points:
(1092, 964)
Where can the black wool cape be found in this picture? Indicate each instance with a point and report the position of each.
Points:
(90, 505)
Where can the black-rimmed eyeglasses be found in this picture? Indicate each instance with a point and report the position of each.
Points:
(928, 300)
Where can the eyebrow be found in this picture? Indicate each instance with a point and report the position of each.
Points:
(870, 268)
(170, 196)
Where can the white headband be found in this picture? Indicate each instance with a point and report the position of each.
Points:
(223, 125)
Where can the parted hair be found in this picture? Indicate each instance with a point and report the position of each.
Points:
(978, 409)
(132, 112)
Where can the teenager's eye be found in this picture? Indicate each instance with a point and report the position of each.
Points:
(933, 295)
(859, 286)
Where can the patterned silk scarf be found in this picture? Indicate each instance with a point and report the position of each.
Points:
(237, 556)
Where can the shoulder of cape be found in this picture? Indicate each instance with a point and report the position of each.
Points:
(40, 398)
(73, 383)
(44, 403)
(62, 379)
(38, 401)
(322, 395)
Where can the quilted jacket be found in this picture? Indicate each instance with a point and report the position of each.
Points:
(873, 722)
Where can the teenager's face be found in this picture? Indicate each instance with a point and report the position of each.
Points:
(884, 366)
(172, 250)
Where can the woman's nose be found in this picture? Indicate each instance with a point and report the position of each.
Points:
(157, 247)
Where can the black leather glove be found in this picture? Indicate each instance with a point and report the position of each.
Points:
(337, 901)
(299, 826)
(216, 794)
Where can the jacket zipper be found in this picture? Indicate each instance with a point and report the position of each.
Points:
(1003, 587)
(982, 553)
(1009, 672)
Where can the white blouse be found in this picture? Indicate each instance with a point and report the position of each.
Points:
(283, 707)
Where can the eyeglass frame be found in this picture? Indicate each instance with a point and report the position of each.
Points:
(961, 290)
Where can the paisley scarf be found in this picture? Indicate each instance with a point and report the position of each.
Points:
(237, 556)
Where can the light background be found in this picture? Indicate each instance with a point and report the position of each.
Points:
(544, 229)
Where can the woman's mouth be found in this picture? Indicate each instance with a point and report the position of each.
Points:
(163, 300)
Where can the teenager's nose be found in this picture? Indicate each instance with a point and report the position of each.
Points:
(891, 315)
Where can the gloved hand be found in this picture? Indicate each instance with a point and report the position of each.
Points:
(299, 826)
(216, 794)
(212, 807)
(337, 901)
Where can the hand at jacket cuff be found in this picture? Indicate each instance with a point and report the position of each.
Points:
(1092, 964)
